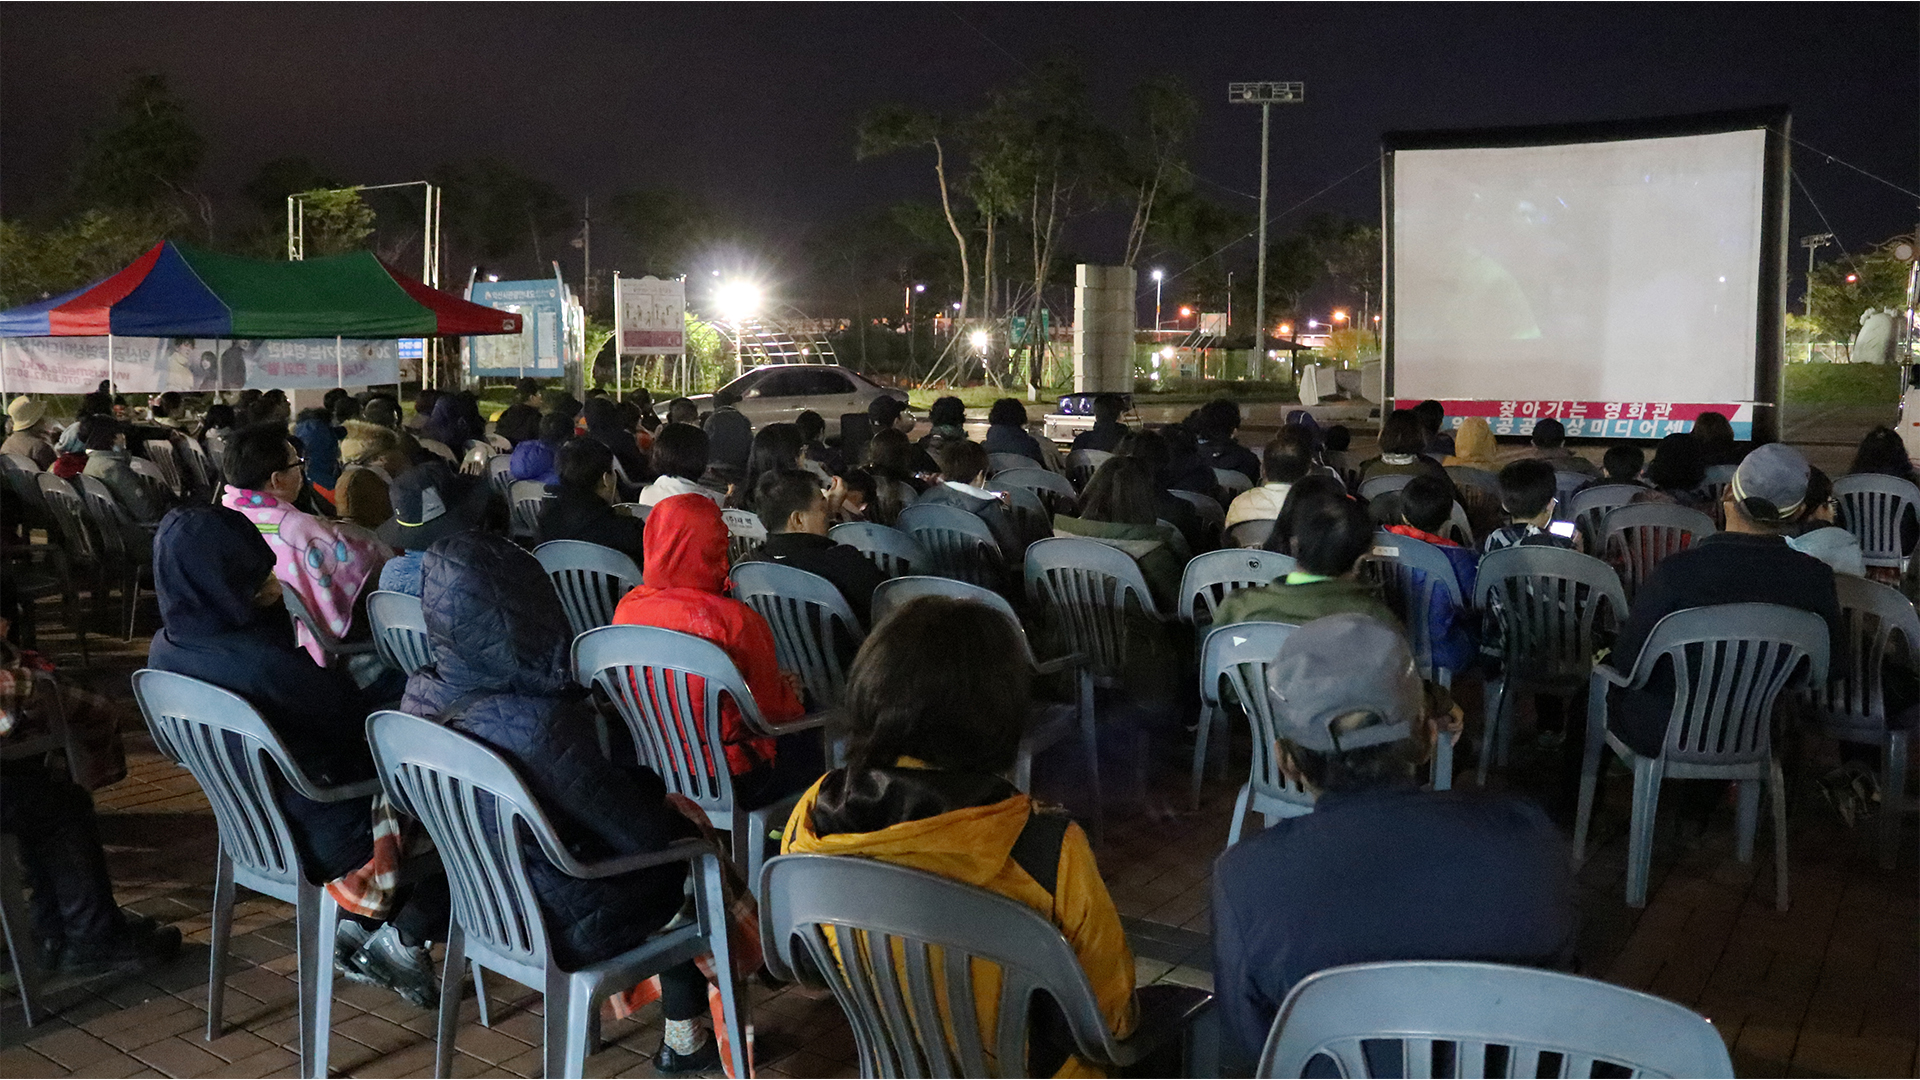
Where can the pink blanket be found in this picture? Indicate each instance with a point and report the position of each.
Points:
(325, 562)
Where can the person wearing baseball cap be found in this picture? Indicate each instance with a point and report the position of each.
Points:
(1381, 869)
(1748, 563)
(430, 501)
(31, 435)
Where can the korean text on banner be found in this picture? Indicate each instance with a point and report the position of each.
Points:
(536, 350)
(652, 315)
(144, 365)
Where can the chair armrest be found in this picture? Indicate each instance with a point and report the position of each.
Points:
(689, 850)
(1059, 664)
(1608, 673)
(761, 726)
(1164, 1010)
(338, 793)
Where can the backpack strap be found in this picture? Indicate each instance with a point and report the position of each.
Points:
(1037, 849)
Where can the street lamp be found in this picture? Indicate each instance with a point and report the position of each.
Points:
(1158, 275)
(912, 346)
(1339, 316)
(738, 300)
(979, 340)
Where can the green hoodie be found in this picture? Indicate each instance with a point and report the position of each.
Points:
(1303, 603)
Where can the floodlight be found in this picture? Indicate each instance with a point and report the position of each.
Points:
(979, 339)
(738, 300)
(1158, 273)
(493, 277)
(1185, 311)
(1167, 352)
(919, 287)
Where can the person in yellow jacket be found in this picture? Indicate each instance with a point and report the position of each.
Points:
(935, 704)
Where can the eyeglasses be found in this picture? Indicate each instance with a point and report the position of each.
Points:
(296, 463)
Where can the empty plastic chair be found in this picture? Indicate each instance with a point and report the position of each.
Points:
(919, 944)
(438, 775)
(1638, 536)
(1232, 481)
(239, 762)
(1729, 662)
(1552, 607)
(589, 578)
(999, 463)
(1233, 670)
(668, 687)
(896, 553)
(815, 632)
(1882, 627)
(1875, 509)
(524, 500)
(1051, 722)
(1487, 1020)
(745, 533)
(1082, 464)
(1088, 589)
(1586, 509)
(400, 630)
(1210, 577)
(1374, 487)
(198, 469)
(1029, 513)
(958, 544)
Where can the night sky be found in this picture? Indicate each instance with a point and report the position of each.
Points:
(755, 105)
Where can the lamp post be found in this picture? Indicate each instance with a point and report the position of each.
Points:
(913, 347)
(1158, 276)
(1265, 95)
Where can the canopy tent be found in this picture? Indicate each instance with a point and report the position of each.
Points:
(180, 291)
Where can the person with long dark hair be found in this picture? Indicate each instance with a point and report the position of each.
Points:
(1117, 509)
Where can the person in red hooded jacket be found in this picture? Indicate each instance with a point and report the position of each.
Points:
(683, 588)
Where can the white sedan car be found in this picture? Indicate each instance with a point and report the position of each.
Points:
(778, 393)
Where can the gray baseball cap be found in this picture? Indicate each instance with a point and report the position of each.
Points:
(1771, 483)
(1338, 665)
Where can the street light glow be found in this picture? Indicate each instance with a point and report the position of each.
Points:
(919, 287)
(1285, 329)
(979, 340)
(1158, 273)
(1167, 353)
(1185, 311)
(1311, 323)
(1339, 316)
(738, 299)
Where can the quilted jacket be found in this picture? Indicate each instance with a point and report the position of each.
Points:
(501, 674)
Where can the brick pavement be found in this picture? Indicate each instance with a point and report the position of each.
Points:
(1828, 988)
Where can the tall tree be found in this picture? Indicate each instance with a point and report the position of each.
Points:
(494, 210)
(1848, 287)
(337, 220)
(36, 263)
(1164, 111)
(668, 227)
(149, 151)
(891, 129)
(281, 177)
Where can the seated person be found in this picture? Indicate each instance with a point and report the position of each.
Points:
(604, 425)
(1007, 431)
(1154, 448)
(1816, 534)
(891, 413)
(321, 447)
(679, 460)
(1330, 532)
(963, 471)
(860, 503)
(1217, 421)
(1117, 509)
(1620, 465)
(932, 720)
(326, 563)
(1749, 562)
(684, 588)
(1107, 430)
(30, 434)
(1474, 446)
(582, 504)
(1526, 495)
(1401, 440)
(891, 460)
(1549, 444)
(1433, 423)
(1287, 458)
(1187, 468)
(1381, 870)
(814, 451)
(1425, 506)
(370, 459)
(431, 502)
(1678, 474)
(521, 420)
(107, 461)
(729, 432)
(796, 513)
(537, 459)
(948, 419)
(223, 624)
(502, 674)
(683, 411)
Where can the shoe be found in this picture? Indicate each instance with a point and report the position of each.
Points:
(669, 1062)
(142, 941)
(348, 938)
(1838, 789)
(406, 970)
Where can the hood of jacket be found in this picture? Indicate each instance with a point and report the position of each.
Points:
(494, 620)
(208, 565)
(1136, 540)
(366, 443)
(959, 825)
(534, 460)
(686, 545)
(1474, 441)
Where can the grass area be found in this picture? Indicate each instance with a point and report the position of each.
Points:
(1842, 384)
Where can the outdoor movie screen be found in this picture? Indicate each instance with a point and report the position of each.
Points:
(1616, 285)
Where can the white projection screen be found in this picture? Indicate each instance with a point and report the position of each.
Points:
(1618, 280)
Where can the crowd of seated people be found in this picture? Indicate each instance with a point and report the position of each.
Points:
(931, 720)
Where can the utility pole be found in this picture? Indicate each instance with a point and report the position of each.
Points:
(585, 243)
(1265, 95)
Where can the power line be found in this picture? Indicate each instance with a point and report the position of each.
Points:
(1831, 160)
(983, 36)
(1296, 206)
(1824, 223)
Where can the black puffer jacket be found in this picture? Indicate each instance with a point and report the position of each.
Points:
(501, 642)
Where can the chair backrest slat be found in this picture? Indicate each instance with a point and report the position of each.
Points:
(1552, 605)
(1882, 626)
(1375, 486)
(1586, 508)
(1234, 659)
(1638, 536)
(1089, 589)
(589, 578)
(896, 553)
(1875, 509)
(1413, 576)
(815, 631)
(1730, 662)
(69, 516)
(895, 593)
(958, 544)
(1210, 577)
(524, 500)
(400, 630)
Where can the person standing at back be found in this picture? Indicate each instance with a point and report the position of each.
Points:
(1380, 870)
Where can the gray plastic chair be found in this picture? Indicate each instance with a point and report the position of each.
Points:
(1479, 493)
(329, 644)
(1491, 1020)
(1345, 464)
(1374, 487)
(1636, 537)
(126, 546)
(1087, 588)
(1210, 577)
(1082, 464)
(999, 463)
(160, 453)
(1552, 607)
(1055, 491)
(1413, 575)
(895, 552)
(400, 630)
(1467, 478)
(919, 942)
(636, 510)
(500, 474)
(815, 632)
(589, 578)
(1233, 670)
(199, 470)
(16, 922)
(238, 761)
(1029, 513)
(1730, 662)
(1232, 481)
(1852, 702)
(745, 533)
(1213, 516)
(1051, 722)
(525, 498)
(649, 674)
(958, 544)
(439, 776)
(1875, 509)
(1251, 534)
(1586, 509)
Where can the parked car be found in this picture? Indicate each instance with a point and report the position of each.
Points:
(777, 393)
